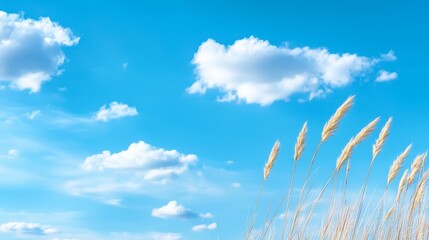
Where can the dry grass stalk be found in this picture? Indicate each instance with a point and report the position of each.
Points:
(381, 139)
(271, 159)
(334, 121)
(402, 184)
(397, 165)
(300, 142)
(420, 192)
(348, 149)
(389, 213)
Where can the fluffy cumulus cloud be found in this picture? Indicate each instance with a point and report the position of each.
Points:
(254, 71)
(152, 163)
(384, 76)
(30, 50)
(115, 110)
(27, 228)
(203, 227)
(175, 210)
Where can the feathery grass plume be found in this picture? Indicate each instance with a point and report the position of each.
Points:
(300, 142)
(376, 148)
(271, 159)
(402, 184)
(334, 121)
(416, 167)
(397, 165)
(420, 192)
(348, 149)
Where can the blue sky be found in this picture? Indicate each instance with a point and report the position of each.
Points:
(153, 119)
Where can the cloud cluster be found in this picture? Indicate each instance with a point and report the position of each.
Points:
(175, 210)
(203, 227)
(27, 228)
(115, 110)
(30, 50)
(151, 162)
(254, 71)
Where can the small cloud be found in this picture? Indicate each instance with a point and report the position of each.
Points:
(115, 110)
(384, 76)
(203, 227)
(390, 56)
(62, 89)
(173, 210)
(32, 115)
(125, 66)
(152, 163)
(206, 215)
(27, 228)
(230, 162)
(114, 202)
(236, 185)
(165, 236)
(13, 152)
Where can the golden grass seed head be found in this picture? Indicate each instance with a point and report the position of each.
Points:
(397, 164)
(381, 139)
(416, 167)
(271, 159)
(332, 124)
(348, 149)
(300, 142)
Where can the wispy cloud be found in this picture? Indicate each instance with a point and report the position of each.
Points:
(27, 228)
(32, 115)
(30, 50)
(254, 71)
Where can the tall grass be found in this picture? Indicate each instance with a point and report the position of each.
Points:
(344, 215)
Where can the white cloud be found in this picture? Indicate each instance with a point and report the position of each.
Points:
(206, 215)
(113, 201)
(125, 66)
(390, 56)
(115, 110)
(13, 152)
(236, 185)
(27, 228)
(175, 210)
(254, 71)
(30, 50)
(32, 115)
(166, 236)
(152, 163)
(203, 227)
(384, 76)
(229, 162)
